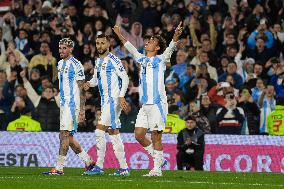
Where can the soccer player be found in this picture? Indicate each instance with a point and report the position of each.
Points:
(152, 92)
(72, 105)
(112, 80)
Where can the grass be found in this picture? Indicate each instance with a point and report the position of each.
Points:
(31, 178)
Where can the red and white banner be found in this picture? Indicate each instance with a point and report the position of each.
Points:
(222, 152)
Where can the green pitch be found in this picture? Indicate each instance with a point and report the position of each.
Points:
(31, 178)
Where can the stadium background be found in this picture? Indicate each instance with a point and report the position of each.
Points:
(30, 24)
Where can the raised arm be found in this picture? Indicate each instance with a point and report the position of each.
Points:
(127, 44)
(35, 98)
(171, 48)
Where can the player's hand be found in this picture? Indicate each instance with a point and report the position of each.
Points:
(86, 86)
(116, 30)
(81, 116)
(178, 32)
(123, 104)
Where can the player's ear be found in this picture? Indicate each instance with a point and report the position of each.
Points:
(157, 48)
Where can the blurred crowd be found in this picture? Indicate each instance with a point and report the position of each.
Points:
(227, 72)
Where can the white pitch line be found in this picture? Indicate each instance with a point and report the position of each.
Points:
(54, 177)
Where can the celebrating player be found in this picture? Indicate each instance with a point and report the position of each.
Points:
(152, 92)
(72, 102)
(112, 80)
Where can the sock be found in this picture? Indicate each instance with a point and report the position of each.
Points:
(158, 160)
(60, 163)
(85, 158)
(150, 149)
(118, 148)
(101, 147)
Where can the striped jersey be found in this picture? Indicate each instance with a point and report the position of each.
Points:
(111, 78)
(69, 72)
(152, 87)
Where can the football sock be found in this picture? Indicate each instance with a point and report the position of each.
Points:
(150, 149)
(60, 163)
(118, 148)
(85, 158)
(101, 147)
(158, 160)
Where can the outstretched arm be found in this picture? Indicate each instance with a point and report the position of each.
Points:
(170, 49)
(127, 44)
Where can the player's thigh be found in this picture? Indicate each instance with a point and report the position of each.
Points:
(141, 120)
(157, 117)
(66, 119)
(110, 115)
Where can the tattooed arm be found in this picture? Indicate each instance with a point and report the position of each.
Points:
(82, 100)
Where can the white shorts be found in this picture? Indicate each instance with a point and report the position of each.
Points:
(110, 113)
(152, 116)
(69, 118)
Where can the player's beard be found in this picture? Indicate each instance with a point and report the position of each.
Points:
(103, 51)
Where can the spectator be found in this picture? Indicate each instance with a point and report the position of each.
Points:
(230, 118)
(232, 70)
(181, 58)
(266, 103)
(275, 120)
(190, 146)
(3, 42)
(193, 109)
(209, 110)
(44, 61)
(24, 123)
(202, 58)
(251, 110)
(22, 43)
(128, 117)
(258, 90)
(187, 76)
(46, 106)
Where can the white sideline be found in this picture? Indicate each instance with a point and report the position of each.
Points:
(54, 177)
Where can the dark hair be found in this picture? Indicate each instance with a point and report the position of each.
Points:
(103, 36)
(190, 117)
(161, 43)
(45, 77)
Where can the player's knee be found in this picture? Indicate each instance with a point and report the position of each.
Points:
(63, 135)
(139, 137)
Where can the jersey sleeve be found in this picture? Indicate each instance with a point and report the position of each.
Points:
(120, 71)
(166, 56)
(80, 72)
(132, 50)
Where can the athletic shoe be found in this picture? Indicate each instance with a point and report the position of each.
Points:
(95, 170)
(154, 173)
(53, 171)
(121, 172)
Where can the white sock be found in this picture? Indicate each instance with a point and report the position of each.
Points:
(118, 148)
(150, 149)
(101, 147)
(85, 158)
(158, 160)
(60, 163)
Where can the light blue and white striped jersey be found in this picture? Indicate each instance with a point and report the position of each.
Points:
(69, 72)
(152, 87)
(111, 78)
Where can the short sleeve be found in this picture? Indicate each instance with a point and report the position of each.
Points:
(80, 72)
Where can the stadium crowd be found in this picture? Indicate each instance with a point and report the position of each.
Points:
(227, 72)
